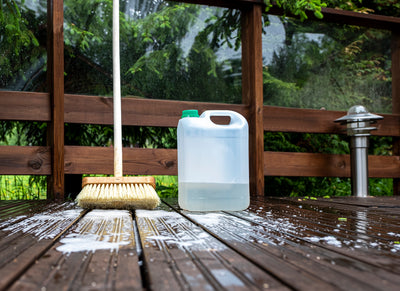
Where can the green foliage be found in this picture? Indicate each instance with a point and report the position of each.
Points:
(322, 186)
(132, 136)
(326, 66)
(22, 187)
(297, 7)
(161, 57)
(22, 133)
(21, 46)
(331, 67)
(167, 186)
(305, 142)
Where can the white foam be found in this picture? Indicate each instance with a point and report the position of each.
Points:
(175, 231)
(330, 240)
(107, 213)
(157, 214)
(87, 243)
(208, 219)
(102, 234)
(46, 225)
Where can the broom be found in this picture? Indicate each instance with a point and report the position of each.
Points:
(118, 191)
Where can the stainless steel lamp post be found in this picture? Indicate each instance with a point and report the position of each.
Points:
(359, 121)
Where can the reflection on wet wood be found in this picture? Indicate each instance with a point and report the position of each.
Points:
(25, 237)
(278, 244)
(180, 255)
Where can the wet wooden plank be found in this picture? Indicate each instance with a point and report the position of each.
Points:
(384, 210)
(98, 252)
(347, 232)
(24, 238)
(375, 202)
(352, 233)
(13, 208)
(314, 257)
(278, 244)
(179, 255)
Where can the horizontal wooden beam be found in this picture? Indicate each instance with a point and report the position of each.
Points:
(34, 160)
(29, 106)
(282, 119)
(137, 161)
(18, 160)
(326, 165)
(166, 113)
(136, 111)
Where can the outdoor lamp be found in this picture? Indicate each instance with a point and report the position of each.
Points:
(359, 121)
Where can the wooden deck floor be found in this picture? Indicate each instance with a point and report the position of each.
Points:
(277, 244)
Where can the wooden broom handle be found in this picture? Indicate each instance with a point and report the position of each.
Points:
(118, 172)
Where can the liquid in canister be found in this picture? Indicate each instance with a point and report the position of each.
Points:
(213, 163)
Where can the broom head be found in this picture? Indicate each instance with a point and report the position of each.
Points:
(118, 193)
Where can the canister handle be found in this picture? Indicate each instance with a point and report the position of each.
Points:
(236, 118)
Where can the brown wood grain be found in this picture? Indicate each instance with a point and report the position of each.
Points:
(179, 254)
(166, 113)
(17, 160)
(326, 165)
(99, 160)
(135, 110)
(20, 248)
(55, 81)
(316, 220)
(277, 243)
(283, 119)
(252, 93)
(30, 106)
(112, 268)
(395, 51)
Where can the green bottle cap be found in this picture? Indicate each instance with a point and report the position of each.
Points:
(190, 113)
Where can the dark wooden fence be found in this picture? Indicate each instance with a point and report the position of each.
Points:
(57, 108)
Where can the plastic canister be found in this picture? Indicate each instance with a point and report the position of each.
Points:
(213, 162)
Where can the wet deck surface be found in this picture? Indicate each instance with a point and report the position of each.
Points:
(277, 244)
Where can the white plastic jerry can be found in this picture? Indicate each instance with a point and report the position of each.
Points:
(213, 162)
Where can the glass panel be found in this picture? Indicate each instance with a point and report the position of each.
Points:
(326, 66)
(22, 187)
(23, 45)
(168, 51)
(22, 133)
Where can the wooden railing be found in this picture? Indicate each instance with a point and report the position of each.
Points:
(36, 160)
(57, 108)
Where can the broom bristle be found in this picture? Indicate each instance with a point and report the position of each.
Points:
(118, 193)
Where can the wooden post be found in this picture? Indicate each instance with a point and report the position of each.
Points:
(395, 48)
(252, 93)
(55, 79)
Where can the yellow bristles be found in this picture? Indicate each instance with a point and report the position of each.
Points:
(126, 193)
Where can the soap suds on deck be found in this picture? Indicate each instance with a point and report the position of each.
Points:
(99, 230)
(173, 230)
(46, 225)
